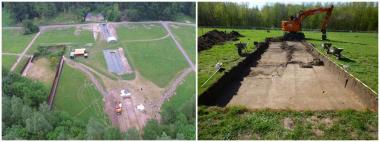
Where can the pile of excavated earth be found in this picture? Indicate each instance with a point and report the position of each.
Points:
(214, 37)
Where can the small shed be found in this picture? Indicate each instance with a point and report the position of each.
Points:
(91, 17)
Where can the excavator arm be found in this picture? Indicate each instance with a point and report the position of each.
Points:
(294, 23)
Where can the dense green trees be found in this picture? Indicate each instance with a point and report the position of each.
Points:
(134, 11)
(356, 16)
(25, 115)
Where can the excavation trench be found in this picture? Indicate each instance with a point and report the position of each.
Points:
(288, 75)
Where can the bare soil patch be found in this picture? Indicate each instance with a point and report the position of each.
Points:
(41, 70)
(143, 92)
(278, 81)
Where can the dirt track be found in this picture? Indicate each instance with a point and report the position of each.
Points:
(178, 45)
(25, 50)
(278, 81)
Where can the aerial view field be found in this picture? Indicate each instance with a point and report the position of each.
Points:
(100, 77)
(256, 81)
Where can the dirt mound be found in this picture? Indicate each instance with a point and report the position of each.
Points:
(214, 37)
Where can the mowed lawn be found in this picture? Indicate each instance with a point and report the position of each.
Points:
(140, 32)
(186, 37)
(158, 61)
(78, 96)
(235, 123)
(14, 41)
(62, 36)
(185, 92)
(360, 50)
(8, 61)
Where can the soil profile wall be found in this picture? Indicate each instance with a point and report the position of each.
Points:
(366, 95)
(240, 70)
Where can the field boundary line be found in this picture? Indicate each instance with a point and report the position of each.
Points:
(144, 40)
(83, 110)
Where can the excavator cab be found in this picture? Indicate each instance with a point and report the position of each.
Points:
(118, 108)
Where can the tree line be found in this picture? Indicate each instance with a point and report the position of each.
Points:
(113, 11)
(26, 115)
(355, 16)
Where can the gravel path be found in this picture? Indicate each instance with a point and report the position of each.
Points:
(165, 24)
(25, 50)
(170, 91)
(88, 72)
(16, 54)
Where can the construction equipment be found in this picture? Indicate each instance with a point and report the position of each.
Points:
(118, 108)
(292, 27)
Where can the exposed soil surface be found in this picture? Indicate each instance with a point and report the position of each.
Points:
(40, 70)
(214, 37)
(280, 80)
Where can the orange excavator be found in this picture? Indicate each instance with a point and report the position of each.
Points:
(292, 27)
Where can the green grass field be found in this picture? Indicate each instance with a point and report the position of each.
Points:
(359, 48)
(185, 92)
(96, 59)
(62, 36)
(360, 52)
(186, 37)
(14, 41)
(140, 32)
(77, 95)
(8, 61)
(158, 61)
(236, 123)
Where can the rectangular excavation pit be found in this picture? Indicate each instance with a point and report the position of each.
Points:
(278, 80)
(116, 62)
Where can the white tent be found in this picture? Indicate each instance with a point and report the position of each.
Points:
(124, 93)
(111, 38)
(140, 107)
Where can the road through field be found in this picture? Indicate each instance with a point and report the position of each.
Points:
(180, 48)
(169, 92)
(86, 70)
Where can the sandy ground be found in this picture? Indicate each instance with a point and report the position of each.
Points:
(40, 70)
(131, 117)
(279, 82)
